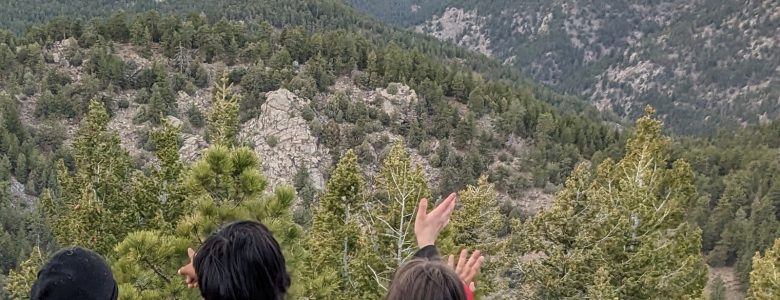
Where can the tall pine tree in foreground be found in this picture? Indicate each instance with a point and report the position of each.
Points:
(225, 185)
(144, 258)
(765, 277)
(400, 185)
(476, 225)
(620, 231)
(93, 209)
(336, 268)
(20, 281)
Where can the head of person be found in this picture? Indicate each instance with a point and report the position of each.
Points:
(425, 279)
(241, 261)
(75, 273)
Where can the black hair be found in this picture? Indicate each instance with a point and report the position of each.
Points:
(75, 273)
(241, 261)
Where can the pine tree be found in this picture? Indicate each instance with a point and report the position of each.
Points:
(476, 102)
(732, 239)
(93, 209)
(724, 211)
(458, 87)
(372, 69)
(7, 57)
(765, 277)
(280, 60)
(465, 131)
(167, 192)
(401, 184)
(304, 186)
(628, 217)
(5, 169)
(335, 233)
(223, 119)
(318, 69)
(144, 266)
(223, 186)
(141, 38)
(20, 172)
(19, 282)
(231, 52)
(476, 224)
(295, 40)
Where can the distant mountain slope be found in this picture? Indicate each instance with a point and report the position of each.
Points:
(702, 64)
(28, 17)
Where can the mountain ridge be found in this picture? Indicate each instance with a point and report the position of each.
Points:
(701, 64)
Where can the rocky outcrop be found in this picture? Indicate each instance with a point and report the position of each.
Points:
(283, 141)
(464, 28)
(18, 195)
(192, 146)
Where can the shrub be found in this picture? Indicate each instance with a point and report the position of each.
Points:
(196, 117)
(392, 88)
(123, 103)
(272, 141)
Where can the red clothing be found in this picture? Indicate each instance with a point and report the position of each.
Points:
(469, 294)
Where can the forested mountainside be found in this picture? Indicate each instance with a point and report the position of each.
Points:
(703, 64)
(189, 121)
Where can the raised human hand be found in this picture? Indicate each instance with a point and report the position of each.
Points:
(427, 226)
(467, 269)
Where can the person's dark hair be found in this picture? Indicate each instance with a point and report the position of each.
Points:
(75, 273)
(425, 279)
(241, 261)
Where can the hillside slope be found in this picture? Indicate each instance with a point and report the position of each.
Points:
(702, 64)
(305, 99)
(310, 93)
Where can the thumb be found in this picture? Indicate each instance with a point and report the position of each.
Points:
(472, 287)
(190, 252)
(422, 210)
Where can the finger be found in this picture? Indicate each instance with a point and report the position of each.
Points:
(451, 261)
(449, 209)
(478, 266)
(443, 205)
(461, 260)
(473, 268)
(472, 287)
(450, 206)
(473, 259)
(474, 271)
(422, 209)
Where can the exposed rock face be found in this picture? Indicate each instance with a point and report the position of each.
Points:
(192, 147)
(464, 28)
(283, 141)
(19, 197)
(122, 124)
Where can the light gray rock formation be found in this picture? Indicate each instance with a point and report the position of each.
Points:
(283, 141)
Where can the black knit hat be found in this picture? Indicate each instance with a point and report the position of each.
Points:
(75, 273)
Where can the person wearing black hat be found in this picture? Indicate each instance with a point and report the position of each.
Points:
(75, 273)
